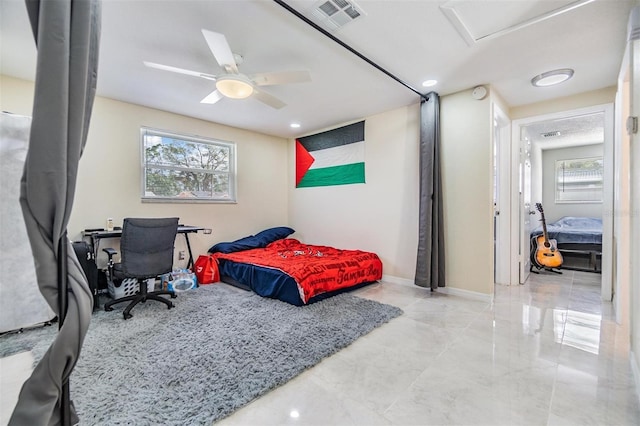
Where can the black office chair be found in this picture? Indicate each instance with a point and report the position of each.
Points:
(146, 248)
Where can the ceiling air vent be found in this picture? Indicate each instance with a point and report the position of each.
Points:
(334, 14)
(550, 134)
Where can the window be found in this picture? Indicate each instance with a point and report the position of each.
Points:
(186, 168)
(579, 180)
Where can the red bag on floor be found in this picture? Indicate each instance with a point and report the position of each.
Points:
(206, 269)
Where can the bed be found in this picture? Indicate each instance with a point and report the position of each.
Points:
(272, 265)
(578, 238)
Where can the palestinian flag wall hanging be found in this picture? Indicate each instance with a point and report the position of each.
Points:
(334, 157)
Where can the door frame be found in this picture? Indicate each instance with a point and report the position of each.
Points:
(526, 163)
(623, 171)
(502, 212)
(607, 203)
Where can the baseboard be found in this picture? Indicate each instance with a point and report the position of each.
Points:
(467, 294)
(636, 372)
(398, 280)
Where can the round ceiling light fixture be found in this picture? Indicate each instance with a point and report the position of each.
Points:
(429, 83)
(234, 86)
(551, 78)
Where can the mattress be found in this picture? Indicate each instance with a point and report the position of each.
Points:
(299, 273)
(573, 230)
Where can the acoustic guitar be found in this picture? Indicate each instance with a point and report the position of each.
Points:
(547, 254)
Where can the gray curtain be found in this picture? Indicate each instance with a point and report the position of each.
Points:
(430, 263)
(67, 37)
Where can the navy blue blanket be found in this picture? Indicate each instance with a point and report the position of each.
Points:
(573, 230)
(268, 282)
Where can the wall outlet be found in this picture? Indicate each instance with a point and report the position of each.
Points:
(181, 255)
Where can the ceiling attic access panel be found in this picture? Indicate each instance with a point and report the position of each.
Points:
(476, 21)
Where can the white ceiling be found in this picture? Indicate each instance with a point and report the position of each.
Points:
(414, 40)
(579, 130)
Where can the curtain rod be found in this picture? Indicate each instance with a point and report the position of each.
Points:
(349, 48)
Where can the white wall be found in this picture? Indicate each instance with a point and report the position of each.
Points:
(109, 172)
(552, 210)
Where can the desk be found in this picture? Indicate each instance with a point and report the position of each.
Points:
(95, 235)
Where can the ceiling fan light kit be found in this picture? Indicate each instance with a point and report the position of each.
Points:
(234, 86)
(232, 83)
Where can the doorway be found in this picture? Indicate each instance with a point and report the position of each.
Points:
(543, 142)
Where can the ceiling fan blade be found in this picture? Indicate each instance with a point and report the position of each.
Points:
(284, 77)
(221, 51)
(268, 99)
(212, 98)
(180, 70)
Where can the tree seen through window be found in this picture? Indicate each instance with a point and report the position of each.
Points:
(187, 168)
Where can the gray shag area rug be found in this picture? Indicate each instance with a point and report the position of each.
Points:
(217, 350)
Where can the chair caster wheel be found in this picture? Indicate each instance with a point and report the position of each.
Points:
(127, 316)
(108, 308)
(171, 305)
(173, 295)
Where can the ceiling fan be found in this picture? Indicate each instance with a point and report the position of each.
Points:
(232, 83)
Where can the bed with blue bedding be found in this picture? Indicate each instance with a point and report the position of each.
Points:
(576, 237)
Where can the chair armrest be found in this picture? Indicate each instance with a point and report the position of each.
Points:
(110, 252)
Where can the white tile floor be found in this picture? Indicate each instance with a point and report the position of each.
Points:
(545, 353)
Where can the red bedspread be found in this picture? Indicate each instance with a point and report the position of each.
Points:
(316, 269)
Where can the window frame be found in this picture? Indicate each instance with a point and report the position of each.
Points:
(149, 131)
(556, 182)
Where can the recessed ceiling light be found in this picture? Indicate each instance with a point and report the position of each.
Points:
(294, 125)
(550, 78)
(429, 83)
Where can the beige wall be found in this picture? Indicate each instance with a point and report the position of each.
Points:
(109, 173)
(595, 97)
(634, 98)
(16, 96)
(379, 216)
(466, 126)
